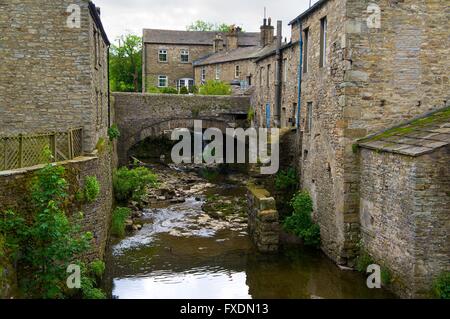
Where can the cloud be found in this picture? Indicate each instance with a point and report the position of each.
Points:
(124, 16)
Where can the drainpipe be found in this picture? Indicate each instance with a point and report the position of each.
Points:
(278, 75)
(300, 74)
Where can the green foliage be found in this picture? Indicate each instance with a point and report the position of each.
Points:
(193, 89)
(441, 286)
(101, 145)
(97, 268)
(286, 180)
(168, 90)
(113, 132)
(184, 90)
(91, 189)
(47, 243)
(125, 64)
(153, 89)
(209, 174)
(363, 261)
(131, 183)
(386, 277)
(120, 215)
(201, 25)
(250, 114)
(300, 223)
(215, 88)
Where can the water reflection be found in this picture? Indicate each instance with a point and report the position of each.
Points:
(180, 254)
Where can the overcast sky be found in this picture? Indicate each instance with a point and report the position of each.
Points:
(131, 16)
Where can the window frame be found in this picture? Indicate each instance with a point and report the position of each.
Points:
(323, 41)
(166, 79)
(309, 117)
(203, 74)
(160, 54)
(218, 71)
(305, 50)
(237, 71)
(269, 66)
(184, 52)
(285, 70)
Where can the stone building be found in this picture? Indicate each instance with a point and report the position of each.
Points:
(366, 66)
(235, 65)
(54, 78)
(404, 201)
(54, 69)
(169, 55)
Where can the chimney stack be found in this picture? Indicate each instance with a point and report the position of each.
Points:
(232, 38)
(267, 32)
(218, 43)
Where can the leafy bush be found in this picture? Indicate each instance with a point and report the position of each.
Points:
(193, 89)
(101, 145)
(120, 215)
(168, 90)
(48, 242)
(250, 114)
(286, 180)
(441, 286)
(300, 223)
(91, 189)
(215, 88)
(113, 132)
(153, 89)
(97, 268)
(184, 90)
(131, 183)
(363, 261)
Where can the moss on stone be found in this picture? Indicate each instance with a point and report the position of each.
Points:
(437, 117)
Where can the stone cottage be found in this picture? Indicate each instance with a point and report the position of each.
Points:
(235, 65)
(366, 66)
(169, 55)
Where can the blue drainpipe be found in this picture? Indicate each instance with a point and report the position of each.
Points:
(300, 73)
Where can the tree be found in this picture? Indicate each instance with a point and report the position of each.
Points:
(201, 25)
(126, 64)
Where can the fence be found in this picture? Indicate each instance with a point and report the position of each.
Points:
(27, 150)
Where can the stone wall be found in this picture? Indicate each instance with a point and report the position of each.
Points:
(265, 87)
(14, 194)
(49, 79)
(405, 216)
(227, 71)
(263, 221)
(174, 69)
(322, 165)
(143, 115)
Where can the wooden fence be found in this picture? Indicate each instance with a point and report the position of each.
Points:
(28, 150)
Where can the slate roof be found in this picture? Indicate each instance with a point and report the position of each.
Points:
(306, 13)
(418, 137)
(156, 36)
(98, 22)
(248, 53)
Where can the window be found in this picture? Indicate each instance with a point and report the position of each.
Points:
(309, 118)
(203, 75)
(285, 70)
(261, 71)
(218, 71)
(162, 55)
(323, 42)
(184, 56)
(237, 71)
(268, 76)
(305, 49)
(162, 81)
(95, 49)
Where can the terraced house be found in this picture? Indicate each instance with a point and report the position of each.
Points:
(169, 55)
(368, 66)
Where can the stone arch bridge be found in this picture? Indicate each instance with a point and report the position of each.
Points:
(139, 116)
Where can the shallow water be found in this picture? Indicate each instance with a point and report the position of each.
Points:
(181, 253)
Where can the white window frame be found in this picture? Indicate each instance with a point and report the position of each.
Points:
(285, 70)
(237, 71)
(203, 74)
(163, 52)
(184, 52)
(218, 72)
(161, 77)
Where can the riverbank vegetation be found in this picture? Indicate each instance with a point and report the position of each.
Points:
(441, 286)
(131, 184)
(119, 217)
(45, 244)
(300, 223)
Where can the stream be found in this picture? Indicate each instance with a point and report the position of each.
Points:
(188, 250)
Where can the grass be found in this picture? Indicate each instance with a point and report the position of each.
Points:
(120, 215)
